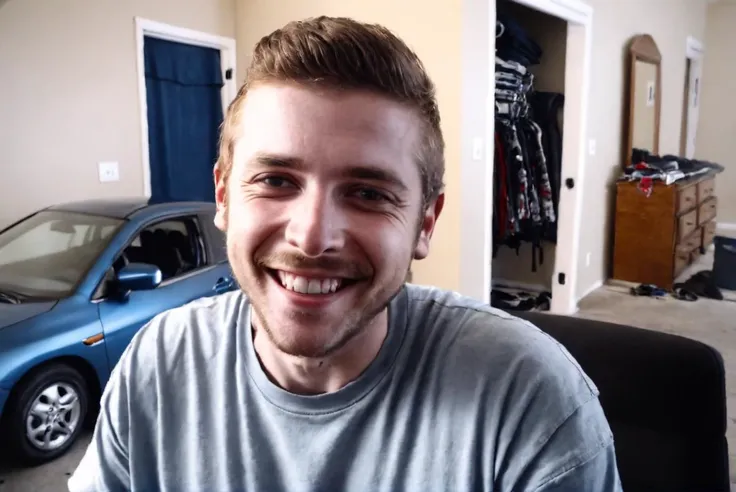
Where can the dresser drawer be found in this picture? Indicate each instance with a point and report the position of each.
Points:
(686, 224)
(706, 189)
(691, 242)
(694, 255)
(707, 210)
(682, 260)
(709, 232)
(687, 198)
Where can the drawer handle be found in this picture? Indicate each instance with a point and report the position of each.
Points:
(689, 223)
(688, 198)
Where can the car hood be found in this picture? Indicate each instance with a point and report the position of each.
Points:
(11, 314)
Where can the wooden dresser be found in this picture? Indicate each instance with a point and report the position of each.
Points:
(658, 236)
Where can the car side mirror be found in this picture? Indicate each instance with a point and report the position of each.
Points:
(138, 276)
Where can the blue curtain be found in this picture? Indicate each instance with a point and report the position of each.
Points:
(183, 91)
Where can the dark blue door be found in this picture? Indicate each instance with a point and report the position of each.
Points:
(183, 93)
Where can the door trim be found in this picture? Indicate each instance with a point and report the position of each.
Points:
(147, 27)
(579, 17)
(694, 52)
(694, 48)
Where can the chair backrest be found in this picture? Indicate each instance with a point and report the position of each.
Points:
(665, 399)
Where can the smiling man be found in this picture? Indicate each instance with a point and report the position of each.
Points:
(325, 371)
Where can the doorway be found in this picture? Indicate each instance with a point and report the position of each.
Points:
(566, 34)
(186, 80)
(691, 97)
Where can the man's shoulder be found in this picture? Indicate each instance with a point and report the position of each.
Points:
(452, 312)
(478, 337)
(531, 387)
(202, 325)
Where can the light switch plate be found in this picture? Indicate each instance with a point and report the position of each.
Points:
(108, 171)
(477, 149)
(591, 146)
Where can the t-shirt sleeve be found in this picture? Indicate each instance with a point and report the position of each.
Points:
(554, 433)
(105, 464)
(580, 456)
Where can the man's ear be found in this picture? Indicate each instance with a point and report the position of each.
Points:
(426, 227)
(220, 199)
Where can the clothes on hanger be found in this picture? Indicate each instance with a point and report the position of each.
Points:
(513, 43)
(528, 144)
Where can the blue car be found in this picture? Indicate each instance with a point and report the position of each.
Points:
(77, 281)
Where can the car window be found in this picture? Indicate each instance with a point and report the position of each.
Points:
(217, 240)
(47, 254)
(174, 246)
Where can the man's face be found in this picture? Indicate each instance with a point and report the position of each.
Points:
(323, 211)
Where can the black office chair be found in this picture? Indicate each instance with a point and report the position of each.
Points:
(665, 399)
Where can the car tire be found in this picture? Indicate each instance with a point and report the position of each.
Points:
(46, 414)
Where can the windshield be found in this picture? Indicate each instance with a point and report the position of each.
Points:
(48, 254)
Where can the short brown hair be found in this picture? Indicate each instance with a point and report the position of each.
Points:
(342, 53)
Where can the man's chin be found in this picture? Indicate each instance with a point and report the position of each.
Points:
(303, 335)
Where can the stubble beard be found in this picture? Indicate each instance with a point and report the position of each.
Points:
(352, 326)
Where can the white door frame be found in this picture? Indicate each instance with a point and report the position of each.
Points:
(146, 27)
(694, 51)
(579, 17)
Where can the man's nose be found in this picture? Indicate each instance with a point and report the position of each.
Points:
(316, 224)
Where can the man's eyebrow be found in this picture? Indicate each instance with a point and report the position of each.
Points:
(365, 172)
(274, 160)
(375, 173)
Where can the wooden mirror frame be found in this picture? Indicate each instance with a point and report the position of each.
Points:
(642, 48)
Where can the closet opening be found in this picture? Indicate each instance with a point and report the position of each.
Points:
(538, 153)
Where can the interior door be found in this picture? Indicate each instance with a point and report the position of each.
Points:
(188, 277)
(184, 110)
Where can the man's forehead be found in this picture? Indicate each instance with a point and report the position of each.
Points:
(340, 128)
(289, 107)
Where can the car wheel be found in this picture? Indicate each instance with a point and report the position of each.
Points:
(46, 414)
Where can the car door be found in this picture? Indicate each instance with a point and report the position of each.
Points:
(178, 247)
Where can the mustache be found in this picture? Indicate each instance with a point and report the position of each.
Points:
(296, 261)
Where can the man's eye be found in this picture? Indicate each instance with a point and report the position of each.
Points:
(277, 182)
(371, 195)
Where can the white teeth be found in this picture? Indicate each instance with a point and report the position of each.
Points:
(306, 285)
(315, 287)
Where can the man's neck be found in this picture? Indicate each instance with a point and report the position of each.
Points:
(311, 376)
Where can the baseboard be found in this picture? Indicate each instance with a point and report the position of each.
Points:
(726, 226)
(512, 284)
(597, 285)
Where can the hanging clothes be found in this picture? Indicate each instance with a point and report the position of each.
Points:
(528, 147)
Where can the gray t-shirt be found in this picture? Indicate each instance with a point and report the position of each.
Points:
(461, 397)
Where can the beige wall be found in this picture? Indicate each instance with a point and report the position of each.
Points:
(716, 135)
(456, 251)
(433, 30)
(614, 23)
(69, 94)
(70, 99)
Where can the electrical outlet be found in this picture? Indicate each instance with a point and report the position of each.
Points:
(108, 171)
(587, 259)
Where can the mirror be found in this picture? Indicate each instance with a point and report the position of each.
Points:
(644, 97)
(138, 276)
(63, 226)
